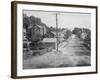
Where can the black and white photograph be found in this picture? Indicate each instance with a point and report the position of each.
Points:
(53, 39)
(56, 39)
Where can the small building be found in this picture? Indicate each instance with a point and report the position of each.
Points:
(49, 42)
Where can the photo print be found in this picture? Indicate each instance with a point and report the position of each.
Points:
(56, 39)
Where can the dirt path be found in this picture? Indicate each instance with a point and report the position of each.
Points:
(73, 46)
(71, 53)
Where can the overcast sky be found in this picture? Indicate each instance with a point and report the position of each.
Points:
(65, 20)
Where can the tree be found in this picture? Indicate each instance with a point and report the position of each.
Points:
(67, 34)
(38, 21)
(32, 20)
(26, 21)
(87, 39)
(84, 35)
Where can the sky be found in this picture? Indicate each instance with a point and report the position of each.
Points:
(65, 19)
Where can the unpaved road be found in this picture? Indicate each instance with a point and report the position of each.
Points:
(71, 53)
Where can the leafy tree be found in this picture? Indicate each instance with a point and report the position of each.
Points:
(67, 34)
(32, 20)
(77, 32)
(26, 21)
(32, 34)
(87, 39)
(80, 32)
(38, 21)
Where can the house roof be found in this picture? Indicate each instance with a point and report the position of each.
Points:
(53, 32)
(49, 40)
(39, 26)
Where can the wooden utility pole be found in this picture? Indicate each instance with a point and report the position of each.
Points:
(56, 15)
(57, 30)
